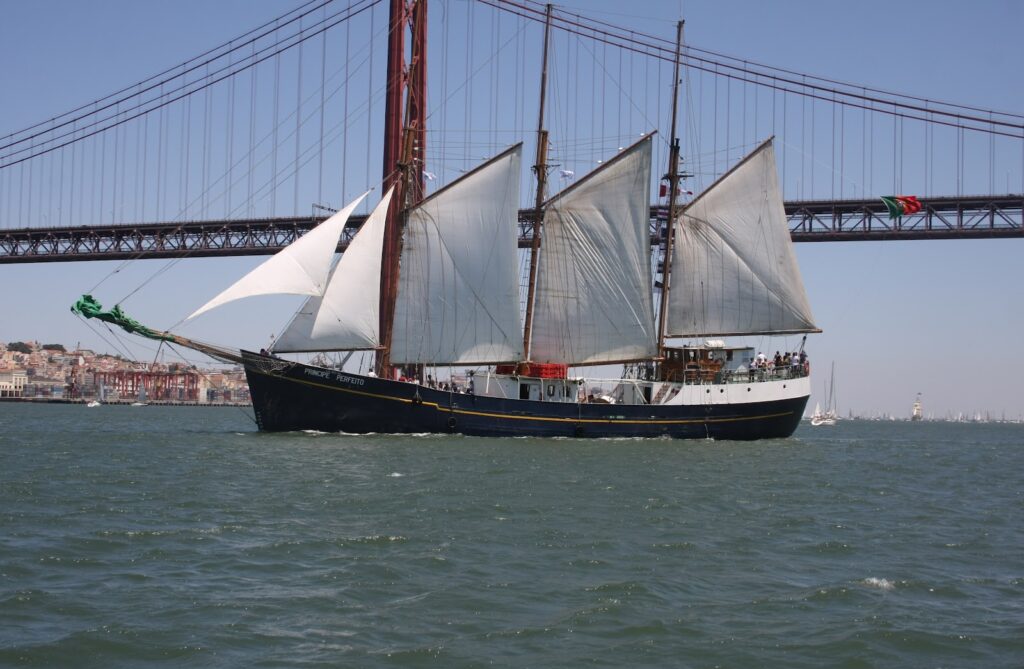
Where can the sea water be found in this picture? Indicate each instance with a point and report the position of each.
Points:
(178, 536)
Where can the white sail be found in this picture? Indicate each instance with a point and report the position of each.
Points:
(594, 299)
(458, 292)
(347, 316)
(301, 268)
(733, 267)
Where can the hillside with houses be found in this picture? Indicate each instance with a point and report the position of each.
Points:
(52, 372)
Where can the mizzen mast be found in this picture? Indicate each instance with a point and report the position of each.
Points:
(541, 170)
(673, 185)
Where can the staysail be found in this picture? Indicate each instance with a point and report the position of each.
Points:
(594, 300)
(458, 291)
(734, 271)
(301, 268)
(346, 317)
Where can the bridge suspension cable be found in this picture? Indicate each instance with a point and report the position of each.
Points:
(209, 52)
(183, 90)
(782, 80)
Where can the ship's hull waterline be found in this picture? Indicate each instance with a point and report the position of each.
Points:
(290, 396)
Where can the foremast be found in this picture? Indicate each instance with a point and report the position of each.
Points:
(404, 152)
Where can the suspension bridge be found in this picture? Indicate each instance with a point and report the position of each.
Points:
(250, 144)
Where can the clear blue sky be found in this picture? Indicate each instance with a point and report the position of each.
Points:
(940, 318)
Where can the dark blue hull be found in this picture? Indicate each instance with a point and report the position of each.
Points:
(292, 396)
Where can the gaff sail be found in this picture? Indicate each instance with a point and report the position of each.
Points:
(594, 300)
(734, 271)
(458, 288)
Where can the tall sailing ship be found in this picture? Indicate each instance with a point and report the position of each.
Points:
(433, 286)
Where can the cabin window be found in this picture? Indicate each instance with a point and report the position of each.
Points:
(524, 391)
(551, 390)
(728, 356)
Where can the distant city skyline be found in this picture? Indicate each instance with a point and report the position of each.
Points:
(899, 318)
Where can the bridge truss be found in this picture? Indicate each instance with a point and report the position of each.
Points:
(978, 217)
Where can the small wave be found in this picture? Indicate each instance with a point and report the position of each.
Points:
(833, 547)
(880, 583)
(413, 655)
(619, 589)
(23, 597)
(395, 475)
(376, 539)
(828, 593)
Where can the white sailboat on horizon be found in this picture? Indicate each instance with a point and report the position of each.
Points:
(830, 416)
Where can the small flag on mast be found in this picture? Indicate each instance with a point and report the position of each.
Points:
(663, 191)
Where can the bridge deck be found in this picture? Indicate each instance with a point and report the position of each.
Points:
(810, 221)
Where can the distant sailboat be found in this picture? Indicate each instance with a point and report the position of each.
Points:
(915, 412)
(141, 401)
(830, 415)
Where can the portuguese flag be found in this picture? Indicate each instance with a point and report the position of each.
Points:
(898, 205)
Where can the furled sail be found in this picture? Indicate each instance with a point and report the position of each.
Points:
(594, 300)
(458, 290)
(347, 316)
(734, 271)
(301, 268)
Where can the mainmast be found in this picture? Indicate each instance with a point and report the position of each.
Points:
(541, 170)
(673, 185)
(404, 150)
